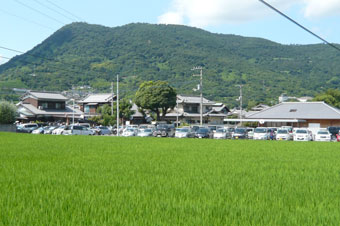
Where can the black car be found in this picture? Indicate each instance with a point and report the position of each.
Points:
(240, 133)
(203, 133)
(164, 130)
(334, 130)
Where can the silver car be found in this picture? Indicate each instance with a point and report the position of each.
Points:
(184, 133)
(147, 132)
(220, 133)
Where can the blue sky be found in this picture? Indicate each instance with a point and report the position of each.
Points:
(23, 26)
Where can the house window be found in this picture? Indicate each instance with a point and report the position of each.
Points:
(87, 109)
(194, 109)
(44, 105)
(292, 110)
(58, 105)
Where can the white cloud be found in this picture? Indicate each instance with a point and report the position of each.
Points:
(171, 18)
(202, 13)
(321, 8)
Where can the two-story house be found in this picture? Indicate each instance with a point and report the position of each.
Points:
(90, 104)
(47, 107)
(188, 110)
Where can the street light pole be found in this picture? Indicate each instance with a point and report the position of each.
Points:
(73, 113)
(201, 92)
(241, 101)
(117, 105)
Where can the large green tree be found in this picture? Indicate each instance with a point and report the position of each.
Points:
(7, 112)
(331, 96)
(156, 96)
(105, 118)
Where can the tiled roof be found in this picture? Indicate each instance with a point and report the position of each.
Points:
(63, 112)
(298, 110)
(46, 95)
(192, 100)
(98, 98)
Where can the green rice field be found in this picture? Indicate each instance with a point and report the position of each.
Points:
(93, 180)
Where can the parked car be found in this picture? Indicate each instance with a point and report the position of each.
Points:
(164, 130)
(302, 134)
(220, 133)
(50, 129)
(261, 133)
(230, 131)
(323, 135)
(250, 133)
(59, 130)
(283, 134)
(129, 132)
(77, 130)
(102, 130)
(334, 130)
(184, 133)
(203, 132)
(240, 133)
(147, 132)
(39, 130)
(26, 128)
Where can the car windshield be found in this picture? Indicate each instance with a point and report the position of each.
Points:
(260, 130)
(203, 130)
(183, 130)
(301, 131)
(162, 126)
(130, 130)
(282, 131)
(323, 132)
(221, 131)
(240, 130)
(103, 127)
(231, 129)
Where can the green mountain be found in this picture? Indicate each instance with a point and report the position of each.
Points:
(82, 54)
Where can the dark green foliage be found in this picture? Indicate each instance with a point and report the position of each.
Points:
(83, 54)
(331, 96)
(7, 113)
(156, 96)
(105, 111)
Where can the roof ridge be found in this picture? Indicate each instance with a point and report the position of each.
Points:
(266, 109)
(331, 107)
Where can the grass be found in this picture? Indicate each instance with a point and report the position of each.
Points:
(78, 180)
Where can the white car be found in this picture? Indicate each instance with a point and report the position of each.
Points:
(261, 133)
(283, 134)
(302, 134)
(77, 130)
(58, 131)
(220, 133)
(147, 132)
(184, 133)
(323, 135)
(129, 132)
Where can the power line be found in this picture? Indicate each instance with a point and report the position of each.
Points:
(301, 26)
(52, 3)
(50, 8)
(44, 14)
(27, 20)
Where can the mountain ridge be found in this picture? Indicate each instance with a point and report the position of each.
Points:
(84, 54)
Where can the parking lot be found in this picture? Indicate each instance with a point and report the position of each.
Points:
(285, 133)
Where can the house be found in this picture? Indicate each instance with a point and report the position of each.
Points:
(47, 107)
(298, 114)
(188, 110)
(92, 102)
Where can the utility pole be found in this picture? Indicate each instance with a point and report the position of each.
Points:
(117, 105)
(241, 100)
(112, 99)
(201, 92)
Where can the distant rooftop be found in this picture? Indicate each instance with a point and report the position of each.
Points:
(298, 110)
(192, 99)
(98, 98)
(42, 95)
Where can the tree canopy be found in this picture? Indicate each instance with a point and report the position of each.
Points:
(7, 113)
(331, 97)
(157, 97)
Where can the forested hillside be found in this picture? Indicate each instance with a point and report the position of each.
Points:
(82, 54)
